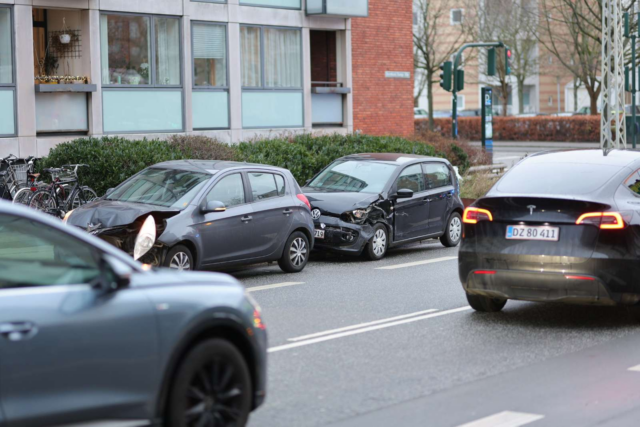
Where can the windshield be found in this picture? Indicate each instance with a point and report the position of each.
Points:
(161, 187)
(355, 176)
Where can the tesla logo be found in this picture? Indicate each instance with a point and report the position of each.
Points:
(315, 214)
(531, 208)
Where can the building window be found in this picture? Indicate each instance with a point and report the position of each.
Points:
(210, 99)
(7, 81)
(141, 73)
(271, 77)
(550, 101)
(282, 4)
(461, 102)
(456, 16)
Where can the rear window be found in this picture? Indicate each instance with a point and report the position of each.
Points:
(556, 178)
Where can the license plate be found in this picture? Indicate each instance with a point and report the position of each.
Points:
(319, 234)
(529, 232)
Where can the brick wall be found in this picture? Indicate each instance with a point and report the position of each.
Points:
(383, 42)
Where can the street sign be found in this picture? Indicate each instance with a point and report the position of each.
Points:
(487, 119)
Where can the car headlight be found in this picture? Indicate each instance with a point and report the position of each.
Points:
(66, 216)
(146, 238)
(360, 213)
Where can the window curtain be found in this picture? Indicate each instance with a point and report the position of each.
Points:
(282, 58)
(104, 48)
(210, 45)
(6, 61)
(167, 51)
(250, 48)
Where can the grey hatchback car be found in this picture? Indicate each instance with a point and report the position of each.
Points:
(87, 334)
(195, 214)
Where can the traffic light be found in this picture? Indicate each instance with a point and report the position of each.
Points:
(459, 81)
(491, 62)
(446, 76)
(507, 61)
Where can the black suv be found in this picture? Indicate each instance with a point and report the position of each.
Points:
(371, 202)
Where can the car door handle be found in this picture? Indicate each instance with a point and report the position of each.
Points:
(427, 199)
(246, 218)
(18, 331)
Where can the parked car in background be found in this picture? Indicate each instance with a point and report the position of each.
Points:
(193, 214)
(89, 335)
(469, 113)
(420, 113)
(372, 202)
(558, 227)
(441, 114)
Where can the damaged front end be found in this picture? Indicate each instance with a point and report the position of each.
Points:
(350, 231)
(136, 239)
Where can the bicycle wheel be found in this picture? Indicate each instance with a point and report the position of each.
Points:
(42, 200)
(23, 197)
(81, 196)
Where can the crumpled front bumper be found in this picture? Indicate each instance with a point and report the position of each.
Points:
(341, 236)
(124, 238)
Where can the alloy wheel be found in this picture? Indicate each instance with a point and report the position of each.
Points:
(298, 251)
(455, 229)
(379, 242)
(214, 397)
(180, 261)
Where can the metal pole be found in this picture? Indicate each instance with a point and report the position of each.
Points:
(633, 91)
(456, 62)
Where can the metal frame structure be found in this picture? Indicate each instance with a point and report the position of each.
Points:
(612, 123)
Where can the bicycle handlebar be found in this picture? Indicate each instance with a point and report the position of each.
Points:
(10, 157)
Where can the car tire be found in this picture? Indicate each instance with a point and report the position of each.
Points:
(453, 232)
(194, 392)
(179, 258)
(486, 304)
(296, 253)
(377, 246)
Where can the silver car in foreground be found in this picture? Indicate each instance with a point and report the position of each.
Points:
(87, 334)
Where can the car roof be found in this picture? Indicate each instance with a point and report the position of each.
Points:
(589, 157)
(210, 166)
(7, 208)
(397, 159)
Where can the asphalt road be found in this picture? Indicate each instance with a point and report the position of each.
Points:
(511, 152)
(356, 343)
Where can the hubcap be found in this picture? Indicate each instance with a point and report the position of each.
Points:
(455, 229)
(214, 397)
(298, 251)
(379, 242)
(180, 261)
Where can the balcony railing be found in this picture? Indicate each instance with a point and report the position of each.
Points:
(339, 8)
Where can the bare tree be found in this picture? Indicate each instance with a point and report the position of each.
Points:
(571, 30)
(434, 41)
(511, 22)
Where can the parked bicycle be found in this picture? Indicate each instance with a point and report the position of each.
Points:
(65, 192)
(23, 196)
(14, 177)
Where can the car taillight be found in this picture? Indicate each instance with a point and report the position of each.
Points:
(473, 215)
(257, 320)
(604, 220)
(304, 199)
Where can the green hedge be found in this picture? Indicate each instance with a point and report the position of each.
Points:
(114, 159)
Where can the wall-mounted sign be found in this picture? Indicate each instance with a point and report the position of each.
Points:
(397, 74)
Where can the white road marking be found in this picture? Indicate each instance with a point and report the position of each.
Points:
(413, 264)
(363, 330)
(361, 325)
(274, 286)
(505, 419)
(635, 368)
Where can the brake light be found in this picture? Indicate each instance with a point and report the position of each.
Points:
(484, 272)
(568, 276)
(304, 199)
(604, 220)
(257, 320)
(473, 215)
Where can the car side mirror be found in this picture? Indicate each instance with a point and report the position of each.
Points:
(213, 206)
(109, 191)
(403, 193)
(120, 276)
